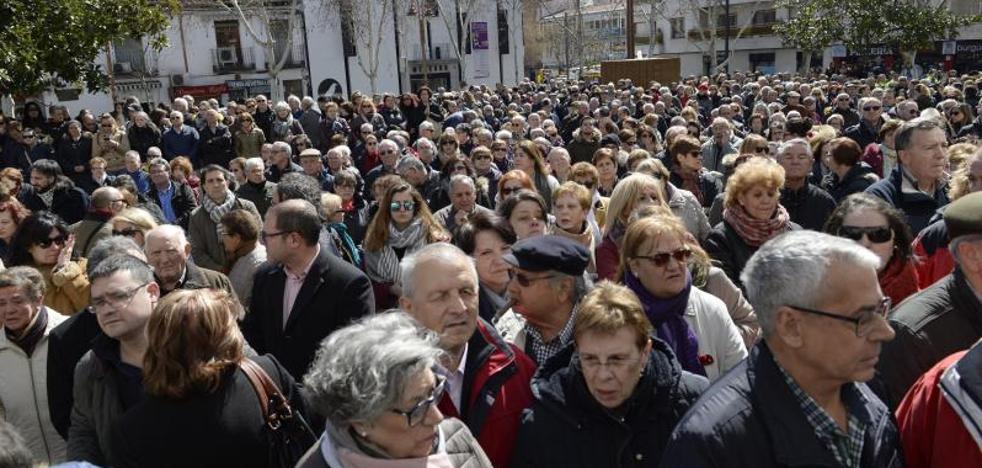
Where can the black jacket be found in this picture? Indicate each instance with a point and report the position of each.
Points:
(930, 325)
(974, 129)
(750, 418)
(863, 133)
(809, 206)
(729, 251)
(567, 427)
(333, 294)
(142, 138)
(918, 207)
(69, 202)
(224, 428)
(183, 202)
(856, 180)
(70, 153)
(67, 343)
(215, 146)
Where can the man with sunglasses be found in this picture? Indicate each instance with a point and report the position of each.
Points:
(947, 316)
(800, 399)
(547, 283)
(868, 129)
(487, 384)
(843, 108)
(389, 154)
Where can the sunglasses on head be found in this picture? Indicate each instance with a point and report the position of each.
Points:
(661, 259)
(878, 234)
(59, 241)
(407, 205)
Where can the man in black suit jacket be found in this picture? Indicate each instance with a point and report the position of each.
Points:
(304, 293)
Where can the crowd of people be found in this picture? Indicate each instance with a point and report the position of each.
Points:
(746, 270)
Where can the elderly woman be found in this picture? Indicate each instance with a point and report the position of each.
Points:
(192, 368)
(486, 239)
(111, 143)
(27, 324)
(605, 160)
(510, 183)
(378, 384)
(696, 325)
(402, 225)
(134, 223)
(284, 126)
(243, 252)
(617, 368)
(525, 214)
(882, 229)
(847, 173)
(43, 241)
(528, 159)
(752, 215)
(631, 193)
(249, 138)
(12, 213)
(143, 134)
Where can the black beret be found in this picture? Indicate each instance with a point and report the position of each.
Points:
(964, 216)
(610, 139)
(549, 253)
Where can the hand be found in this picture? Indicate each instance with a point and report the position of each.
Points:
(79, 169)
(65, 255)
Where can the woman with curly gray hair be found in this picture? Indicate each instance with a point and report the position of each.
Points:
(377, 382)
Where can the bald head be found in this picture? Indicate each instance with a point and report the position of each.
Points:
(108, 198)
(167, 251)
(296, 215)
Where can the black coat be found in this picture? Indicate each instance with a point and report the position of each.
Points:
(809, 206)
(215, 146)
(67, 343)
(69, 202)
(224, 428)
(856, 180)
(566, 426)
(729, 251)
(918, 207)
(930, 325)
(142, 138)
(70, 153)
(750, 418)
(183, 202)
(333, 294)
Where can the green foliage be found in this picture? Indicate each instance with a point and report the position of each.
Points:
(44, 42)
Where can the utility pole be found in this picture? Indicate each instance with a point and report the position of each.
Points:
(726, 46)
(421, 15)
(630, 28)
(566, 41)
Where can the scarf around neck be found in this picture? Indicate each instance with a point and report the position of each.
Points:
(755, 232)
(690, 182)
(668, 317)
(30, 337)
(340, 447)
(383, 267)
(216, 211)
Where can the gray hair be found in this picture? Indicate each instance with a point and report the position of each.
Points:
(791, 269)
(284, 146)
(906, 131)
(169, 231)
(461, 179)
(281, 106)
(581, 285)
(388, 143)
(786, 146)
(426, 125)
(27, 279)
(113, 245)
(252, 163)
(408, 162)
(423, 141)
(966, 238)
(158, 162)
(361, 370)
(154, 152)
(442, 251)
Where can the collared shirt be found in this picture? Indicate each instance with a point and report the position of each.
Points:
(455, 382)
(165, 197)
(294, 281)
(542, 351)
(847, 447)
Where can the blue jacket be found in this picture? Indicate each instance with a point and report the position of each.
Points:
(918, 207)
(183, 143)
(750, 418)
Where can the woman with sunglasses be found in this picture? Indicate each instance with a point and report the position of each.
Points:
(613, 398)
(402, 225)
(378, 383)
(43, 241)
(510, 183)
(134, 223)
(110, 143)
(882, 229)
(688, 173)
(958, 117)
(654, 264)
(447, 149)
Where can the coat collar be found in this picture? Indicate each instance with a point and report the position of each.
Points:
(311, 284)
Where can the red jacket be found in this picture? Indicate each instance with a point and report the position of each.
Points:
(497, 388)
(932, 434)
(608, 259)
(934, 258)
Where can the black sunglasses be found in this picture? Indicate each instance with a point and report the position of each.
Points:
(871, 108)
(60, 241)
(661, 259)
(126, 232)
(878, 234)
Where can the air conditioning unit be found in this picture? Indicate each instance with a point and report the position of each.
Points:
(177, 80)
(227, 55)
(123, 67)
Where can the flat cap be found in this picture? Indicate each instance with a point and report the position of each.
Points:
(310, 152)
(610, 139)
(964, 216)
(549, 253)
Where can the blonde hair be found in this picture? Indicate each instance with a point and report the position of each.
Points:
(137, 217)
(646, 229)
(756, 172)
(580, 193)
(625, 194)
(330, 202)
(607, 308)
(960, 186)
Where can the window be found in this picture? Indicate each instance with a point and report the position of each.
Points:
(765, 17)
(723, 20)
(129, 56)
(678, 27)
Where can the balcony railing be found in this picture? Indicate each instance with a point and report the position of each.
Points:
(232, 59)
(752, 30)
(294, 59)
(129, 61)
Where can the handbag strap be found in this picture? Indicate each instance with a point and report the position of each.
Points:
(268, 393)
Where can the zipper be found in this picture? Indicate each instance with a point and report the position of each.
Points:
(37, 410)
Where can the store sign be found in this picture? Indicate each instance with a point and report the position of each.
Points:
(245, 84)
(206, 90)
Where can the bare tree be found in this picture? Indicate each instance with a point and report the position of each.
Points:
(364, 23)
(513, 7)
(270, 14)
(707, 33)
(462, 14)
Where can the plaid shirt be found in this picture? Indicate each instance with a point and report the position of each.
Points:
(542, 351)
(847, 447)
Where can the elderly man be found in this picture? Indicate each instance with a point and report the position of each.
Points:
(27, 324)
(918, 186)
(868, 129)
(388, 152)
(205, 228)
(281, 162)
(546, 285)
(907, 110)
(722, 143)
(945, 317)
(799, 398)
(175, 199)
(807, 204)
(426, 181)
(105, 203)
(488, 385)
(463, 203)
(313, 165)
(303, 293)
(180, 139)
(257, 189)
(842, 107)
(168, 252)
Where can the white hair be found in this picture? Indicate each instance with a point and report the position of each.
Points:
(282, 145)
(252, 163)
(442, 251)
(786, 146)
(281, 106)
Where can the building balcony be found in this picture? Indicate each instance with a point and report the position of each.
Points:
(295, 57)
(225, 60)
(752, 30)
(131, 61)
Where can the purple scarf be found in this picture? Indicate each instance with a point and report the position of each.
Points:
(667, 316)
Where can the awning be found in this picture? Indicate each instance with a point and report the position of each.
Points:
(138, 85)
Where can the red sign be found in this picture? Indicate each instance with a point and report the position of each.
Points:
(207, 90)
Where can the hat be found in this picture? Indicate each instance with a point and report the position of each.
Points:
(964, 216)
(610, 139)
(549, 253)
(310, 152)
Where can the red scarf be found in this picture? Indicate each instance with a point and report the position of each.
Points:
(690, 182)
(755, 231)
(898, 280)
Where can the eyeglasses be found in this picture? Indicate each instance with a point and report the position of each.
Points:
(525, 281)
(126, 232)
(592, 364)
(264, 236)
(871, 108)
(864, 322)
(510, 190)
(407, 205)
(877, 234)
(417, 414)
(661, 259)
(116, 299)
(59, 241)
(762, 149)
